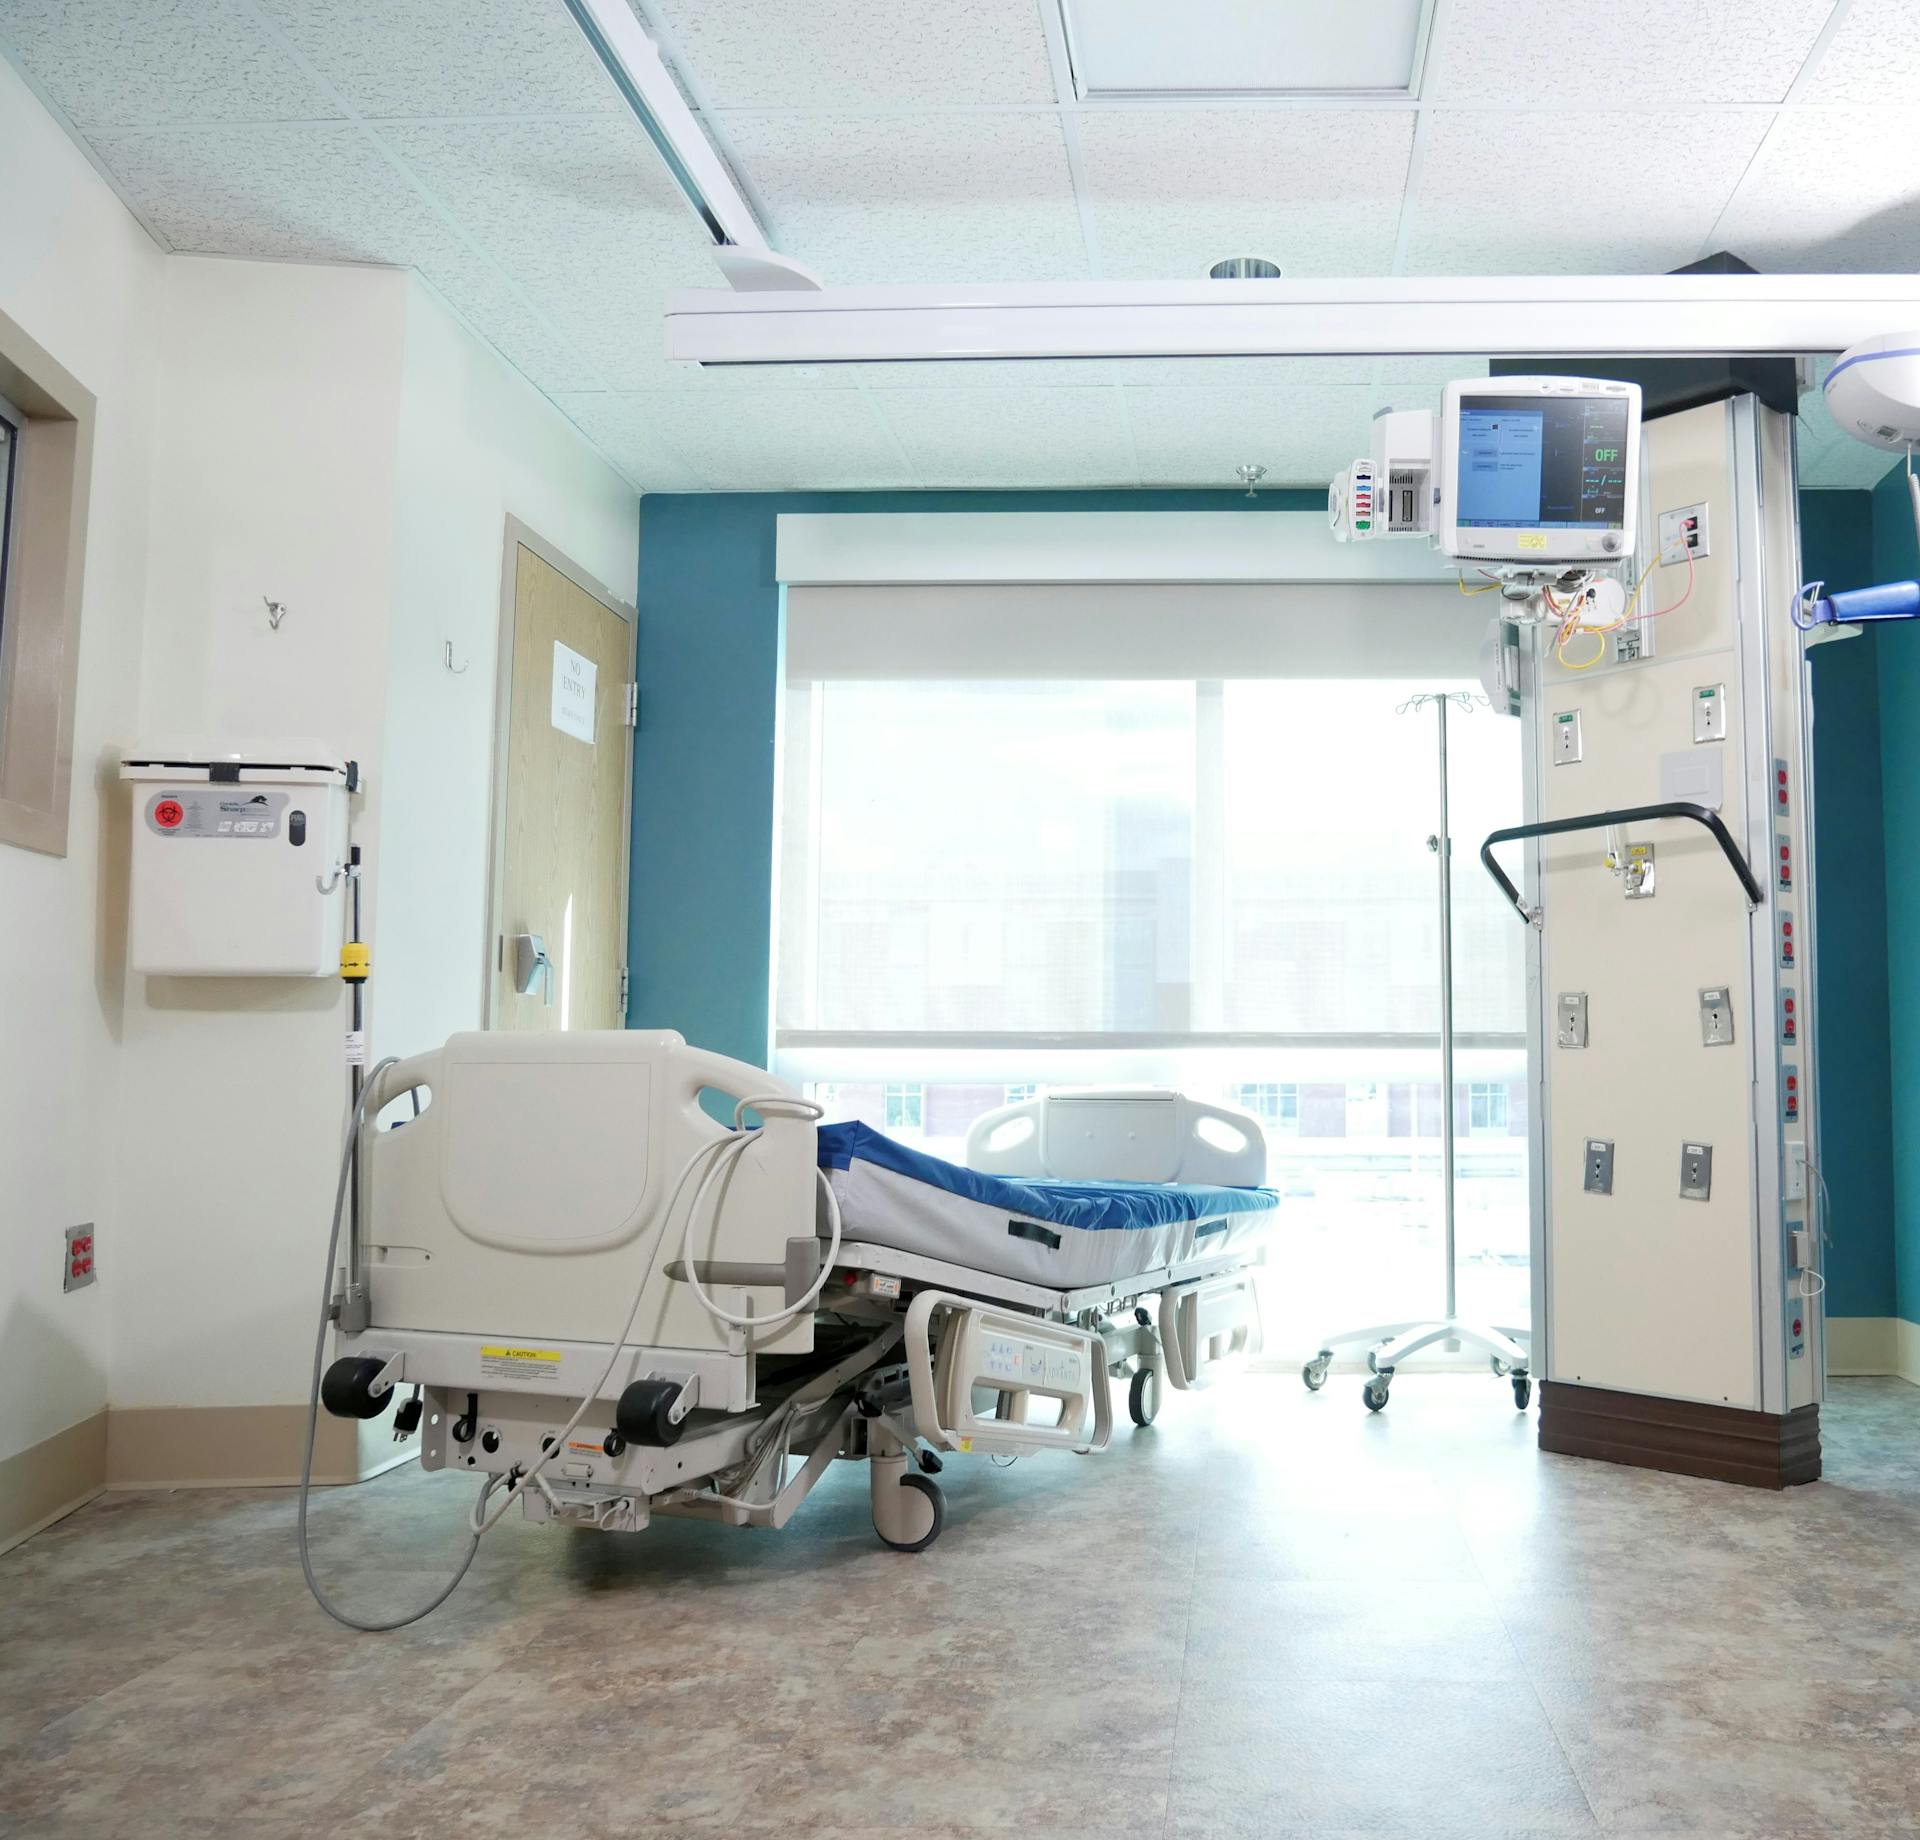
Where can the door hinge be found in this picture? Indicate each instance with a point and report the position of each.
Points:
(623, 993)
(633, 705)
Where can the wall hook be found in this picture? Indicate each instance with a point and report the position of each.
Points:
(459, 670)
(276, 612)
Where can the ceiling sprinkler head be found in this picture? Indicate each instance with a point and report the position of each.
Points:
(1251, 476)
(1244, 268)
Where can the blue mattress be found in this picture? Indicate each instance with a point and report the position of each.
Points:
(1069, 1233)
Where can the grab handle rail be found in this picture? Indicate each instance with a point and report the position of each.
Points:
(1606, 820)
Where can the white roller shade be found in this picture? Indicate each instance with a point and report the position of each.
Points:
(1083, 632)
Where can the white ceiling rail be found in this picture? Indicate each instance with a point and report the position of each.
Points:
(1544, 316)
(745, 257)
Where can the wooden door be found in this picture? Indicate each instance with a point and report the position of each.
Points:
(562, 776)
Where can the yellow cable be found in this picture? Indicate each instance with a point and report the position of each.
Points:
(1560, 650)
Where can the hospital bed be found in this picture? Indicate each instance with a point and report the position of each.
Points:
(608, 1306)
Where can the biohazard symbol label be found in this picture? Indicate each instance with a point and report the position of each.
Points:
(168, 813)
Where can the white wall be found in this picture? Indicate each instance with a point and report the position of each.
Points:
(84, 280)
(274, 477)
(477, 443)
(333, 439)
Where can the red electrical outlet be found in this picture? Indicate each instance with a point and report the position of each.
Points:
(79, 1270)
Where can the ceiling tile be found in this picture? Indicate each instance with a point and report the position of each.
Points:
(1832, 193)
(1001, 439)
(145, 63)
(546, 355)
(871, 200)
(845, 54)
(448, 57)
(1301, 435)
(317, 191)
(580, 213)
(1642, 221)
(1389, 373)
(1175, 190)
(1873, 58)
(323, 192)
(756, 440)
(1627, 51)
(626, 430)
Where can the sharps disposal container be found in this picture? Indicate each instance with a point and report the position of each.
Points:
(237, 852)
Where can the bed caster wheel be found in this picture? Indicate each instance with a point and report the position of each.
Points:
(1140, 1398)
(1522, 1392)
(929, 1514)
(1500, 1369)
(1374, 1392)
(644, 1414)
(930, 1465)
(344, 1390)
(1315, 1371)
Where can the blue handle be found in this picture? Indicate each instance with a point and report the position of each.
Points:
(1893, 600)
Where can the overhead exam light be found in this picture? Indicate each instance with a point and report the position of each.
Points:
(747, 260)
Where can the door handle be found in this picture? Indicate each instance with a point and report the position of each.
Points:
(532, 966)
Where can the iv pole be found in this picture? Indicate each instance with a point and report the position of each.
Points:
(1441, 844)
(1391, 1343)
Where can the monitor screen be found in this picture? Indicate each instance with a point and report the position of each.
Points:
(1542, 463)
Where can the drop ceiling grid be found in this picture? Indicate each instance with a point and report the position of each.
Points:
(478, 141)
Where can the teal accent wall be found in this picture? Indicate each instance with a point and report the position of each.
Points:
(1856, 1107)
(710, 663)
(1896, 557)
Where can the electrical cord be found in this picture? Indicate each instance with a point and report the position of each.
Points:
(714, 1154)
(370, 1625)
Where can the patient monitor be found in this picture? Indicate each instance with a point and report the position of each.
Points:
(1528, 479)
(1538, 471)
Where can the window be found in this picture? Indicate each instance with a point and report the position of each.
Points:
(1487, 1108)
(12, 422)
(1276, 1106)
(46, 453)
(1217, 885)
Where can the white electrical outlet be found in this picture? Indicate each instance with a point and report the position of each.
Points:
(1796, 1171)
(1683, 531)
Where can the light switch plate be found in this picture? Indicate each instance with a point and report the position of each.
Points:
(1599, 1166)
(1696, 1172)
(1716, 1017)
(1571, 1027)
(1566, 737)
(1710, 712)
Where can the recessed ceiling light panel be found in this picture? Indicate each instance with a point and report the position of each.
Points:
(1223, 50)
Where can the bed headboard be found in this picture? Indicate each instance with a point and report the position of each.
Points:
(1119, 1134)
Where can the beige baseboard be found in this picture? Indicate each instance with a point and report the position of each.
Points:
(1908, 1366)
(1863, 1345)
(202, 1447)
(1873, 1345)
(48, 1480)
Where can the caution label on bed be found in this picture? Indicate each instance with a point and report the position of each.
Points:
(502, 1363)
